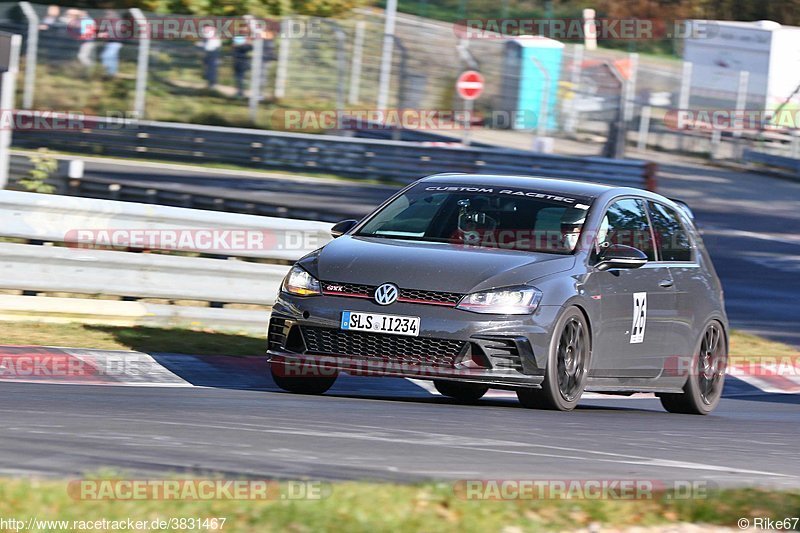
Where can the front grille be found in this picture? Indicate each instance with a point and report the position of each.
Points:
(429, 297)
(354, 290)
(378, 346)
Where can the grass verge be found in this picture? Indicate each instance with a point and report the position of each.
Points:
(142, 339)
(360, 506)
(744, 346)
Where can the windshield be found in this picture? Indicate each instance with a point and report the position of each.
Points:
(482, 217)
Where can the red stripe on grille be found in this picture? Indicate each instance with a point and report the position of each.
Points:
(426, 302)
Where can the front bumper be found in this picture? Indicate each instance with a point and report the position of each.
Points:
(502, 351)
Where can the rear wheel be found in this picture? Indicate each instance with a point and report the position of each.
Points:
(567, 364)
(463, 392)
(703, 389)
(314, 384)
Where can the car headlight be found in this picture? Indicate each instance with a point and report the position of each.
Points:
(510, 301)
(301, 283)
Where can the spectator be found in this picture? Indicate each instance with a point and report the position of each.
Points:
(55, 43)
(88, 33)
(211, 45)
(109, 57)
(53, 19)
(241, 60)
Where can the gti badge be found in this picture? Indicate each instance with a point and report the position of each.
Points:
(386, 294)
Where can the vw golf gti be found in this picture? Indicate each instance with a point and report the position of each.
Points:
(546, 287)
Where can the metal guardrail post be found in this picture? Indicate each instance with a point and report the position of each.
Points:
(716, 141)
(142, 60)
(683, 98)
(281, 71)
(401, 97)
(31, 54)
(644, 127)
(541, 120)
(741, 105)
(256, 64)
(571, 125)
(8, 86)
(397, 133)
(617, 134)
(386, 55)
(341, 62)
(355, 68)
(630, 87)
(741, 99)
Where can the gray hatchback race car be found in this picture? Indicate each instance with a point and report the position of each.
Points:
(546, 287)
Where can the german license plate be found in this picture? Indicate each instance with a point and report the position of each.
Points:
(379, 323)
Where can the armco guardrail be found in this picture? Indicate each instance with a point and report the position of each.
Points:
(216, 257)
(790, 167)
(59, 219)
(347, 156)
(167, 194)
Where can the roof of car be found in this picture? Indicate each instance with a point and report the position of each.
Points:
(546, 185)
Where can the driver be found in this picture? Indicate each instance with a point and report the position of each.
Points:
(571, 225)
(473, 222)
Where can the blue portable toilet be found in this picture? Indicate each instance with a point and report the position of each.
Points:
(524, 83)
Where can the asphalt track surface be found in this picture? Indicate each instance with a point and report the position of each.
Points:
(379, 430)
(67, 430)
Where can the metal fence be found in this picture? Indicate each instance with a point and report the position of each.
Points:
(335, 64)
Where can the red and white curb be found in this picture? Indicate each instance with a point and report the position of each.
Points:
(778, 378)
(77, 366)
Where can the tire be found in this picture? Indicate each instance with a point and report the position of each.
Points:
(463, 392)
(703, 389)
(567, 365)
(301, 384)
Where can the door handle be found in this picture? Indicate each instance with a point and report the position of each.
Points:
(666, 283)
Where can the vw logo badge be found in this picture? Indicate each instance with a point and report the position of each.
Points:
(386, 294)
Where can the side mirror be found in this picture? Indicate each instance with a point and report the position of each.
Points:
(340, 228)
(620, 256)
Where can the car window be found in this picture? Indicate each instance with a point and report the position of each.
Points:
(484, 217)
(626, 223)
(671, 238)
(411, 218)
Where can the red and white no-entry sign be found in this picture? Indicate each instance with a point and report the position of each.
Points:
(469, 85)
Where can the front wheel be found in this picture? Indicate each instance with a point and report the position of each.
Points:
(463, 392)
(703, 389)
(302, 384)
(567, 365)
